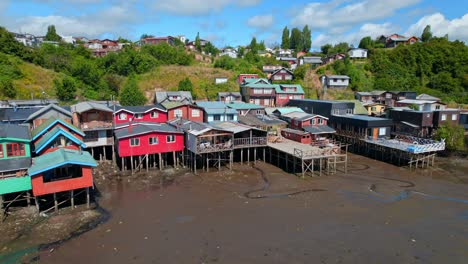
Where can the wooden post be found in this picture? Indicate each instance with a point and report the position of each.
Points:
(320, 160)
(92, 152)
(147, 161)
(28, 198)
(207, 162)
(264, 160)
(113, 153)
(36, 201)
(174, 159)
(219, 161)
(122, 164)
(248, 156)
(160, 161)
(302, 162)
(105, 156)
(72, 199)
(195, 162)
(131, 163)
(242, 156)
(87, 197)
(255, 155)
(2, 212)
(230, 160)
(55, 202)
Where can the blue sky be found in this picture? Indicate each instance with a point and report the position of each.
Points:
(234, 22)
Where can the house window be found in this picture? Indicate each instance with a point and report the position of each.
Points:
(319, 121)
(170, 139)
(15, 149)
(266, 102)
(259, 112)
(437, 107)
(373, 109)
(382, 131)
(257, 101)
(258, 91)
(1, 151)
(454, 117)
(134, 142)
(297, 96)
(138, 116)
(153, 140)
(444, 117)
(216, 117)
(195, 113)
(313, 121)
(277, 77)
(178, 113)
(230, 117)
(122, 116)
(389, 95)
(266, 91)
(154, 114)
(349, 111)
(283, 96)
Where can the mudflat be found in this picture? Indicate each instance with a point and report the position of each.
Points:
(376, 213)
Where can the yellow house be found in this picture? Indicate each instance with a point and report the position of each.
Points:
(375, 109)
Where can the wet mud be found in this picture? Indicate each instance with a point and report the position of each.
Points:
(376, 213)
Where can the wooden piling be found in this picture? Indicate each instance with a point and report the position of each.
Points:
(87, 197)
(55, 203)
(72, 199)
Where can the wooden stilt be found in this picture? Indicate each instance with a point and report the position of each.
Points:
(219, 161)
(207, 162)
(2, 212)
(160, 161)
(113, 154)
(264, 159)
(36, 202)
(55, 203)
(87, 197)
(147, 161)
(122, 166)
(174, 159)
(105, 156)
(195, 162)
(248, 156)
(242, 156)
(28, 198)
(92, 152)
(302, 163)
(230, 160)
(131, 163)
(72, 199)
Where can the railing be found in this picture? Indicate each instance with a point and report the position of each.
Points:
(253, 141)
(96, 125)
(209, 147)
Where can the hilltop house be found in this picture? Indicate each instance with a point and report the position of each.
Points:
(357, 53)
(394, 40)
(259, 92)
(286, 92)
(334, 81)
(158, 40)
(427, 97)
(15, 159)
(178, 96)
(282, 74)
(241, 78)
(227, 97)
(271, 68)
(312, 60)
(217, 112)
(334, 57)
(232, 53)
(183, 110)
(150, 114)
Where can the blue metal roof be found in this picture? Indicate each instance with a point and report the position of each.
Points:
(214, 108)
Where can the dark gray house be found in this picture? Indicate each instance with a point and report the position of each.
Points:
(325, 108)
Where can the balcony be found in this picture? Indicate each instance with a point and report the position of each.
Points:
(250, 142)
(96, 125)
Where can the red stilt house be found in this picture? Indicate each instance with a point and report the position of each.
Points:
(148, 114)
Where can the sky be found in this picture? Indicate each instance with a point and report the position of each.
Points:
(235, 22)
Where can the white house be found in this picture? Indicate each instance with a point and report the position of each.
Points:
(357, 53)
(422, 105)
(334, 81)
(229, 52)
(219, 80)
(68, 39)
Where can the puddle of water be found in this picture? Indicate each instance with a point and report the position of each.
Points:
(17, 256)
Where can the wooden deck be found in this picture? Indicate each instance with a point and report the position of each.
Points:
(304, 151)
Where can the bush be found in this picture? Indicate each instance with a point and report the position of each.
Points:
(65, 89)
(453, 135)
(7, 88)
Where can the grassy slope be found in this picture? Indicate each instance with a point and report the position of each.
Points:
(34, 80)
(201, 75)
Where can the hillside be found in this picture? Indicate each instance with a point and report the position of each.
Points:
(35, 80)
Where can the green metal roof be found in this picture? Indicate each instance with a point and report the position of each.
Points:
(238, 106)
(287, 110)
(260, 85)
(51, 135)
(49, 123)
(170, 105)
(298, 87)
(60, 158)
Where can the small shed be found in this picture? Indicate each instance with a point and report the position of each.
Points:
(297, 135)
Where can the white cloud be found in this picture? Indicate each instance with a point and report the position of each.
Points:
(372, 30)
(261, 22)
(113, 20)
(197, 7)
(338, 16)
(456, 28)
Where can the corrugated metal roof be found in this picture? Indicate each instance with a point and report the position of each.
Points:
(14, 164)
(337, 77)
(60, 158)
(124, 131)
(242, 105)
(213, 108)
(232, 127)
(260, 120)
(162, 97)
(298, 87)
(427, 97)
(417, 102)
(86, 106)
(140, 108)
(18, 114)
(51, 122)
(294, 131)
(283, 110)
(301, 116)
(47, 108)
(323, 129)
(14, 131)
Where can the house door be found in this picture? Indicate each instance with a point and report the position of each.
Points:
(375, 133)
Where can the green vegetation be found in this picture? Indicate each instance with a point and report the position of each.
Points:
(52, 34)
(298, 40)
(65, 89)
(453, 135)
(185, 85)
(131, 93)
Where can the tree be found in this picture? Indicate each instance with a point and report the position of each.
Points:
(427, 34)
(7, 88)
(185, 85)
(366, 43)
(326, 49)
(52, 34)
(65, 89)
(296, 40)
(300, 71)
(453, 135)
(306, 38)
(143, 36)
(198, 42)
(285, 39)
(210, 49)
(131, 94)
(253, 45)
